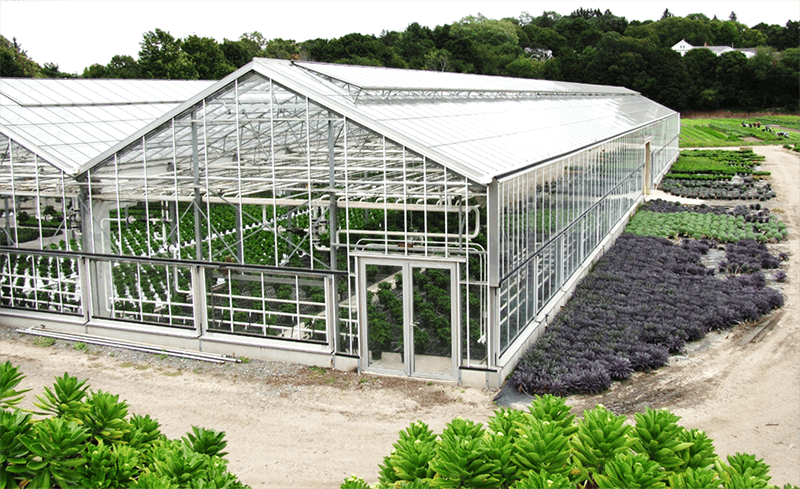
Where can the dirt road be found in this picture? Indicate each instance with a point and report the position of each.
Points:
(291, 426)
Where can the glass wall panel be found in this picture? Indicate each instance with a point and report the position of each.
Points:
(40, 283)
(260, 175)
(268, 305)
(38, 202)
(147, 293)
(39, 210)
(547, 232)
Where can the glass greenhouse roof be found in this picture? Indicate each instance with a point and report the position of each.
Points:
(68, 122)
(376, 78)
(482, 127)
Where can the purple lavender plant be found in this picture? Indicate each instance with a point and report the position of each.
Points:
(644, 299)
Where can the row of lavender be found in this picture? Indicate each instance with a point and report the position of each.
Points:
(644, 300)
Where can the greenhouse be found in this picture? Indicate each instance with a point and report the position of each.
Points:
(400, 222)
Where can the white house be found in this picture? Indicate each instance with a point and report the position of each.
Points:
(684, 47)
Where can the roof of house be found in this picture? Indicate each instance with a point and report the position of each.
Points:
(683, 46)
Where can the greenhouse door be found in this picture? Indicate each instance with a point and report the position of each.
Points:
(409, 317)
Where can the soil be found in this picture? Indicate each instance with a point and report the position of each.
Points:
(294, 426)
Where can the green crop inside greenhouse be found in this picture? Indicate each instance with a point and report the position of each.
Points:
(397, 222)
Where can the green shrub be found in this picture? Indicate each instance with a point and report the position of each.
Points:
(658, 437)
(630, 470)
(411, 457)
(462, 458)
(547, 448)
(65, 399)
(543, 480)
(88, 440)
(10, 377)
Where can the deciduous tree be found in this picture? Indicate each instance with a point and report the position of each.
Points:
(14, 61)
(207, 57)
(161, 57)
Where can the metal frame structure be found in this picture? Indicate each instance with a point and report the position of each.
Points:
(273, 209)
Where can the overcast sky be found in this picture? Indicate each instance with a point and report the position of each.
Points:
(76, 34)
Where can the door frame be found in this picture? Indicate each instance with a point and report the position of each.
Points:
(407, 263)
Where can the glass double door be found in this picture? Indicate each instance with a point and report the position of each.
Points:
(409, 317)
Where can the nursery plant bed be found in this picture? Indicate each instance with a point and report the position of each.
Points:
(648, 297)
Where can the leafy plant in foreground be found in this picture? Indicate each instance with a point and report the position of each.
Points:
(209, 442)
(500, 451)
(56, 445)
(746, 464)
(600, 437)
(354, 482)
(505, 421)
(144, 431)
(14, 455)
(109, 466)
(105, 416)
(460, 458)
(695, 479)
(542, 445)
(10, 377)
(88, 441)
(555, 410)
(700, 453)
(411, 456)
(630, 470)
(544, 480)
(65, 399)
(151, 480)
(600, 451)
(180, 464)
(659, 438)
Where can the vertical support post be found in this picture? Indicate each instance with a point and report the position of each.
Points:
(333, 226)
(493, 277)
(172, 206)
(647, 168)
(172, 218)
(330, 314)
(198, 200)
(199, 298)
(239, 233)
(86, 297)
(493, 229)
(83, 263)
(239, 220)
(408, 319)
(7, 214)
(361, 304)
(96, 236)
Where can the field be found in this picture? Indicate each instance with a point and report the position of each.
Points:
(697, 133)
(718, 174)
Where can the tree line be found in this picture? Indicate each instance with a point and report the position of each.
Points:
(587, 46)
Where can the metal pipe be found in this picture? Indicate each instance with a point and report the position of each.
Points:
(292, 202)
(206, 357)
(197, 197)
